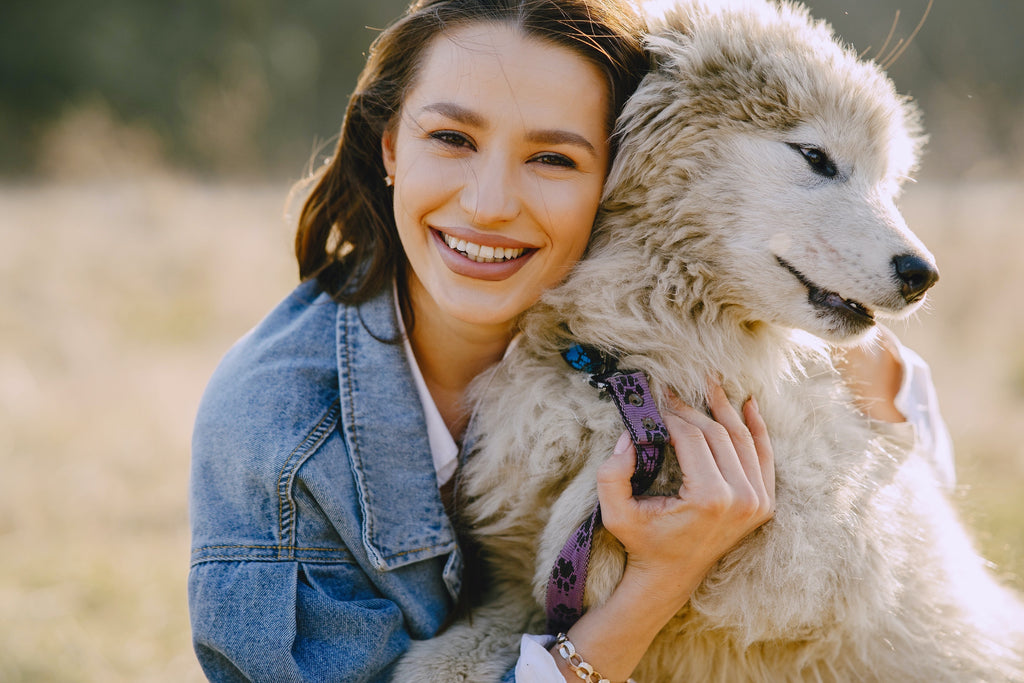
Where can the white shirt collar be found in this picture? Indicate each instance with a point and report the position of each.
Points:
(442, 446)
(443, 449)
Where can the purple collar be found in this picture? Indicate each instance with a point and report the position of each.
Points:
(631, 394)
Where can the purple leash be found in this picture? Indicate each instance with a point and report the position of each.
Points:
(632, 396)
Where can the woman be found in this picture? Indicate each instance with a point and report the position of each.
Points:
(465, 182)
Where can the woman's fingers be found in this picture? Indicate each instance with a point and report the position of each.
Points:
(718, 438)
(614, 489)
(693, 451)
(763, 447)
(726, 460)
(742, 459)
(750, 452)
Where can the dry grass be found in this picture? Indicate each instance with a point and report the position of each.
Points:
(118, 300)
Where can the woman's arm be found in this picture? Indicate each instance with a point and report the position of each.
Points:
(891, 383)
(672, 541)
(874, 373)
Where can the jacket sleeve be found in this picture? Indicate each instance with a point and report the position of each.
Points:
(289, 621)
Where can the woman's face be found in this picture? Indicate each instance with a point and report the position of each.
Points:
(498, 159)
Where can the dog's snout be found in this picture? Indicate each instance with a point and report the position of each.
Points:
(915, 274)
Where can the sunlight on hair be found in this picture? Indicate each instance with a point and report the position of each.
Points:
(656, 9)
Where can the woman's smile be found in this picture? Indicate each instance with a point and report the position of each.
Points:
(482, 253)
(498, 157)
(481, 261)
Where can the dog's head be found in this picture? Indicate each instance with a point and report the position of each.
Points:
(761, 160)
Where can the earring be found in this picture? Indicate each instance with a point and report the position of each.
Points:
(389, 181)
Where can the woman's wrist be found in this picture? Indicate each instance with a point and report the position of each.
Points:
(613, 637)
(673, 584)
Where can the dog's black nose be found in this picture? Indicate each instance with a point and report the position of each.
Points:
(916, 276)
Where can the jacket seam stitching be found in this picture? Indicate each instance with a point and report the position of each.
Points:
(286, 478)
(269, 547)
(303, 560)
(350, 415)
(290, 550)
(416, 550)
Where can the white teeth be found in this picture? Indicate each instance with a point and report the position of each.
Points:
(482, 253)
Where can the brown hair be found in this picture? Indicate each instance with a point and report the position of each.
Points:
(346, 235)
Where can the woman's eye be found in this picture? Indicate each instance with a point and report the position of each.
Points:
(817, 159)
(452, 138)
(553, 159)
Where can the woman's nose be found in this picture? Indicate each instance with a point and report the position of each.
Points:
(491, 193)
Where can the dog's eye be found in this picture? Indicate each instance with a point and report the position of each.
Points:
(817, 159)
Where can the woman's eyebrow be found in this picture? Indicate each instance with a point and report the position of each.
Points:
(457, 112)
(560, 137)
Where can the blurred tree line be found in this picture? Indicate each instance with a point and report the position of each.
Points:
(253, 88)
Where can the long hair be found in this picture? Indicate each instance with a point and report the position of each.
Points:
(346, 236)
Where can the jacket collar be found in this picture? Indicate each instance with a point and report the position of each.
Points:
(403, 518)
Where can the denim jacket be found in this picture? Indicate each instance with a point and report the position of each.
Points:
(320, 545)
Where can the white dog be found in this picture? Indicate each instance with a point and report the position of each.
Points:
(751, 203)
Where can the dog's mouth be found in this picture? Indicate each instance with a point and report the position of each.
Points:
(832, 303)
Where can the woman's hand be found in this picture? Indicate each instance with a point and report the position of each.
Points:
(728, 490)
(873, 372)
(671, 542)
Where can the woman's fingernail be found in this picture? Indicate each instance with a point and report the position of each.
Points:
(622, 444)
(753, 403)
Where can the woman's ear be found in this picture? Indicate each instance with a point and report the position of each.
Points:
(387, 148)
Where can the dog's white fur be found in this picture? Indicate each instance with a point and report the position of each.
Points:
(865, 573)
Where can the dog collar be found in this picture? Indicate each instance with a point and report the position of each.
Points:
(631, 394)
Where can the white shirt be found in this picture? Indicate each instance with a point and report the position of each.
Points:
(916, 400)
(443, 449)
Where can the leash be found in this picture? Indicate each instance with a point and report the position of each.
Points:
(631, 394)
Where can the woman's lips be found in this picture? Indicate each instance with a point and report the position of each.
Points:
(485, 264)
(482, 253)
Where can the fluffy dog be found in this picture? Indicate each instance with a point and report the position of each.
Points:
(748, 219)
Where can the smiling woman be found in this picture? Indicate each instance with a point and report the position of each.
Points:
(501, 145)
(465, 183)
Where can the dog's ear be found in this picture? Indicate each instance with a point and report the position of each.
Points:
(657, 90)
(670, 24)
(663, 50)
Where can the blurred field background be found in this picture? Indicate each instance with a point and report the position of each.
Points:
(146, 153)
